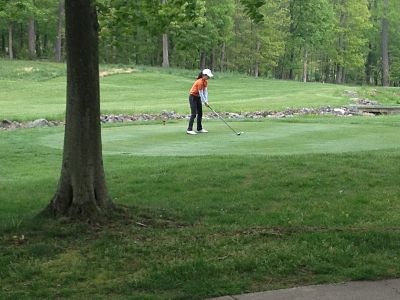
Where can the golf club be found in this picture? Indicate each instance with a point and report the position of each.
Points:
(237, 133)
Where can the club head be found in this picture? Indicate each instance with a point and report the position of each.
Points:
(239, 133)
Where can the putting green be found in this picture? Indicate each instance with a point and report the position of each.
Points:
(269, 137)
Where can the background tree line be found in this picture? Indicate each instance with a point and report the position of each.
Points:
(340, 41)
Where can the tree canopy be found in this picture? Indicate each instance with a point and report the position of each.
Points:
(311, 40)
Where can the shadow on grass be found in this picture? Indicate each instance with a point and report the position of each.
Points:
(144, 253)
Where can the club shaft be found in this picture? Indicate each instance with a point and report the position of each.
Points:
(222, 119)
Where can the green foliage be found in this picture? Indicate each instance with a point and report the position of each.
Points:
(394, 46)
(310, 21)
(17, 10)
(351, 36)
(260, 44)
(252, 9)
(335, 40)
(46, 16)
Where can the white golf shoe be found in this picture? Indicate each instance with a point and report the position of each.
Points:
(191, 132)
(202, 131)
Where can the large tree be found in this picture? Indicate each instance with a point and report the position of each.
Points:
(82, 192)
(165, 47)
(311, 22)
(350, 45)
(60, 29)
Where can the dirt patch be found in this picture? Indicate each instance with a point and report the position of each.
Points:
(116, 71)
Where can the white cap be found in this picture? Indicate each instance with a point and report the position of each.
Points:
(207, 72)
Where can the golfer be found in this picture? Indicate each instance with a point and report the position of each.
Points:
(198, 95)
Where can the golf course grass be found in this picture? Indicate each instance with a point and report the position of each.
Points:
(39, 88)
(273, 137)
(291, 201)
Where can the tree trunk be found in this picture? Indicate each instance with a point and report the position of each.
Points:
(305, 65)
(291, 71)
(257, 63)
(21, 36)
(82, 192)
(202, 60)
(3, 43)
(32, 38)
(385, 45)
(59, 31)
(222, 62)
(38, 44)
(369, 78)
(339, 73)
(10, 41)
(212, 64)
(165, 62)
(45, 43)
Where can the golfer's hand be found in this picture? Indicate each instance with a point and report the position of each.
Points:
(206, 104)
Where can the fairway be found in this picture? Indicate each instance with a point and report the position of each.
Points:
(268, 137)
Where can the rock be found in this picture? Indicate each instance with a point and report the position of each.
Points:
(339, 111)
(233, 115)
(38, 123)
(164, 116)
(6, 122)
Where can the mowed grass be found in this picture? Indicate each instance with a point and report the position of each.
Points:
(272, 137)
(30, 90)
(289, 202)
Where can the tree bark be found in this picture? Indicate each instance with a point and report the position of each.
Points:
(339, 74)
(369, 78)
(165, 62)
(3, 43)
(257, 63)
(38, 45)
(212, 64)
(222, 61)
(22, 40)
(59, 31)
(305, 65)
(32, 38)
(202, 60)
(385, 45)
(82, 192)
(10, 41)
(291, 70)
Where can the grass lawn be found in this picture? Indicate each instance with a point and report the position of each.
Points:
(39, 88)
(277, 137)
(290, 202)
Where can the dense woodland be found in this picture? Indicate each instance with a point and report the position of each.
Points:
(338, 41)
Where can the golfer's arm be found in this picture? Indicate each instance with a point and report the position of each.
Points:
(203, 95)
